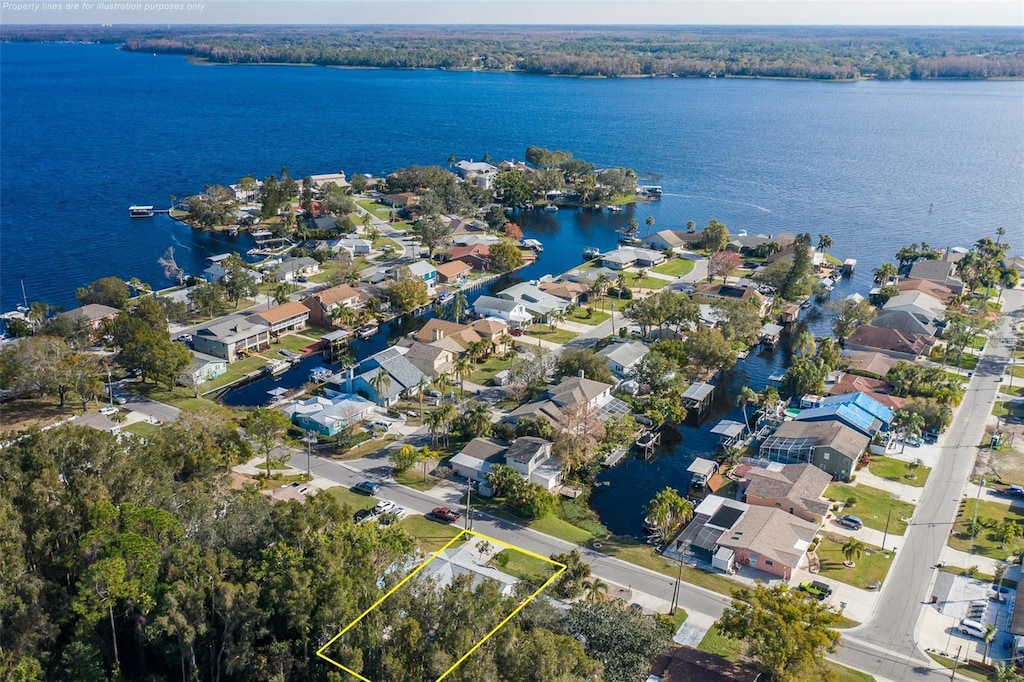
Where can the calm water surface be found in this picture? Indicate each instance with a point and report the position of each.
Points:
(87, 130)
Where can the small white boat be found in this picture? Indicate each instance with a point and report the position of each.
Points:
(446, 298)
(366, 331)
(591, 252)
(613, 209)
(551, 208)
(275, 367)
(533, 244)
(320, 374)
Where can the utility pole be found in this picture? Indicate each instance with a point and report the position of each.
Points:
(309, 446)
(110, 389)
(679, 578)
(885, 536)
(956, 660)
(469, 503)
(974, 522)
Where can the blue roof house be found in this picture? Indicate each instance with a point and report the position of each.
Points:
(859, 411)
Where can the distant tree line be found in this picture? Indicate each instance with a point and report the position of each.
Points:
(814, 53)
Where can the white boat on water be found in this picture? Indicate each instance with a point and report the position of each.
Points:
(366, 331)
(533, 244)
(613, 209)
(591, 252)
(275, 367)
(551, 208)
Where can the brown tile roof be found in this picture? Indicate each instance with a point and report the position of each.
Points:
(478, 250)
(894, 340)
(282, 312)
(771, 534)
(925, 286)
(489, 327)
(462, 333)
(686, 664)
(453, 268)
(335, 295)
(876, 388)
(800, 483)
(872, 362)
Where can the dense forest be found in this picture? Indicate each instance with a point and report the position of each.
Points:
(823, 53)
(142, 561)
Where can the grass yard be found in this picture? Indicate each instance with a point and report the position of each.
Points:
(315, 333)
(523, 566)
(968, 362)
(870, 567)
(413, 478)
(355, 501)
(1013, 408)
(543, 331)
(292, 342)
(368, 447)
(716, 643)
(379, 210)
(430, 535)
(844, 674)
(990, 515)
(677, 267)
(180, 397)
(972, 672)
(483, 372)
(143, 429)
(594, 317)
(872, 505)
(645, 284)
(235, 371)
(894, 469)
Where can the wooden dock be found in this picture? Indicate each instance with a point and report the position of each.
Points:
(613, 457)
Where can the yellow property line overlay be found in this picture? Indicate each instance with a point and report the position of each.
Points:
(457, 538)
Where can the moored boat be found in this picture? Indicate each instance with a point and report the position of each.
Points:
(366, 331)
(591, 252)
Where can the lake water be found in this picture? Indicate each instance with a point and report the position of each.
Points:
(87, 130)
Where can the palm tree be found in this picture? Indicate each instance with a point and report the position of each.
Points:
(448, 415)
(555, 317)
(600, 285)
(425, 455)
(622, 283)
(634, 226)
(1006, 673)
(435, 422)
(459, 306)
(913, 466)
(281, 292)
(478, 349)
(667, 511)
(1000, 232)
(596, 590)
(824, 242)
(747, 395)
(1007, 532)
(650, 224)
(884, 273)
(852, 550)
(462, 367)
(638, 279)
(380, 383)
(804, 345)
(990, 634)
(478, 419)
(421, 388)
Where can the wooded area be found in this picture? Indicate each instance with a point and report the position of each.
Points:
(823, 53)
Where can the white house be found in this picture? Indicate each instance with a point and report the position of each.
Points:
(536, 301)
(479, 173)
(664, 240)
(513, 312)
(531, 457)
(913, 311)
(622, 358)
(424, 270)
(477, 457)
(454, 562)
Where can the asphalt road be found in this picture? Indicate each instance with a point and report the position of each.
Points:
(692, 598)
(886, 645)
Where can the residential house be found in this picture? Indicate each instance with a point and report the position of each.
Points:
(401, 200)
(454, 272)
(686, 664)
(425, 271)
(292, 269)
(831, 446)
(619, 259)
(432, 360)
(477, 457)
(576, 395)
(589, 276)
(232, 337)
(324, 223)
(664, 240)
(623, 358)
(206, 368)
(354, 245)
(476, 256)
(402, 376)
(925, 286)
(329, 416)
(536, 301)
(857, 410)
(711, 293)
(941, 271)
(493, 330)
(531, 457)
(512, 312)
(217, 272)
(437, 329)
(247, 196)
(320, 181)
(466, 239)
(323, 305)
(914, 312)
(443, 568)
(795, 488)
(893, 342)
(479, 173)
(287, 317)
(1015, 263)
(745, 243)
(573, 292)
(878, 389)
(92, 314)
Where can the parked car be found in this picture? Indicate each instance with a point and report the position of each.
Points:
(107, 411)
(816, 588)
(516, 331)
(848, 521)
(1015, 491)
(120, 399)
(185, 338)
(445, 515)
(384, 506)
(381, 424)
(362, 515)
(366, 488)
(973, 628)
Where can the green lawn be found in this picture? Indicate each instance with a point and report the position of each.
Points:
(315, 333)
(523, 566)
(677, 267)
(1013, 408)
(144, 429)
(869, 568)
(543, 331)
(971, 672)
(379, 210)
(896, 470)
(715, 642)
(292, 342)
(355, 501)
(485, 371)
(645, 284)
(413, 478)
(431, 535)
(609, 303)
(844, 674)
(588, 315)
(384, 241)
(872, 505)
(990, 515)
(180, 397)
(236, 370)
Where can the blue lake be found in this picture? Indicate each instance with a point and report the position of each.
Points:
(87, 130)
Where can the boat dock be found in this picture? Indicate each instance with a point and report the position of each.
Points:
(614, 457)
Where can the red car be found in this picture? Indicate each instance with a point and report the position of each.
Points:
(445, 514)
(516, 331)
